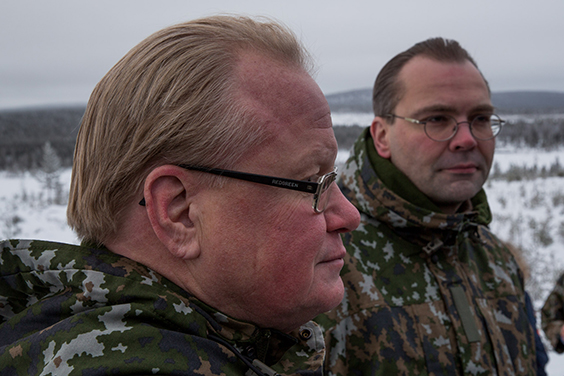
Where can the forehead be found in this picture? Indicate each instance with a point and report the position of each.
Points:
(278, 90)
(427, 82)
(288, 104)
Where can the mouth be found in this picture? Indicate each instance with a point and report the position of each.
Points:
(335, 264)
(463, 168)
(337, 257)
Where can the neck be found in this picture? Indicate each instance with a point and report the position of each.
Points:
(462, 207)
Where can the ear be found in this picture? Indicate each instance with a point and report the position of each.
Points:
(380, 131)
(168, 193)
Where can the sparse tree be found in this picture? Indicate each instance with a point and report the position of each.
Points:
(49, 174)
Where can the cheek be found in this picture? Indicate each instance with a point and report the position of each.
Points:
(414, 154)
(296, 238)
(294, 247)
(273, 234)
(488, 150)
(409, 142)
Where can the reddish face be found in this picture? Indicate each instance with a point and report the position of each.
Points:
(267, 257)
(448, 172)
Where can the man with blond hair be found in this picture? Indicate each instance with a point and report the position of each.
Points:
(429, 289)
(202, 190)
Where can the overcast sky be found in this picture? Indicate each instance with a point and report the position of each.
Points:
(54, 52)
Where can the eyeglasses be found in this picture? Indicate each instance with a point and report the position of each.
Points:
(319, 189)
(444, 127)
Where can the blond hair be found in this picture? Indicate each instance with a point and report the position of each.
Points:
(168, 101)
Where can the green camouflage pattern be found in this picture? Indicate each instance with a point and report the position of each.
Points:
(425, 293)
(552, 315)
(75, 310)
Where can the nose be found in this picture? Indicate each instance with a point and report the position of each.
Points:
(463, 139)
(340, 215)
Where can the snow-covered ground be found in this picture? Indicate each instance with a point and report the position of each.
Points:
(26, 213)
(530, 214)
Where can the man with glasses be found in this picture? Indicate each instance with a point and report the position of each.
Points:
(202, 190)
(429, 289)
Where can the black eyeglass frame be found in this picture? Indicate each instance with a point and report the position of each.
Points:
(315, 188)
(424, 123)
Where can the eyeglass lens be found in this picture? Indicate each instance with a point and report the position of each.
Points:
(322, 199)
(444, 127)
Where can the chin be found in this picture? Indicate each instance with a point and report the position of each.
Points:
(461, 192)
(334, 299)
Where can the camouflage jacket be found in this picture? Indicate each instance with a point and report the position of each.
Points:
(74, 310)
(426, 293)
(552, 315)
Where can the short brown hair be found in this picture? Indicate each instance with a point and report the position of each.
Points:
(168, 100)
(388, 90)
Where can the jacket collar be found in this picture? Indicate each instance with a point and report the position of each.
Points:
(267, 345)
(366, 181)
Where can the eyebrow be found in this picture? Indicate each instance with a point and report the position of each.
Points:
(445, 108)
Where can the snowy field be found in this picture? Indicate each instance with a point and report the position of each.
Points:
(530, 214)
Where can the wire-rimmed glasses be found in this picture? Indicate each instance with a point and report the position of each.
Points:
(444, 127)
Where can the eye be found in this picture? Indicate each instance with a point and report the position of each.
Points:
(481, 118)
(437, 119)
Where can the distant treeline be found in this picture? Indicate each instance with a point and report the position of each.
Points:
(511, 102)
(547, 133)
(23, 133)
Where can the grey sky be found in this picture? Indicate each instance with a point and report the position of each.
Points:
(54, 52)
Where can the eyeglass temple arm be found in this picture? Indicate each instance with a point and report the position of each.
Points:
(296, 185)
